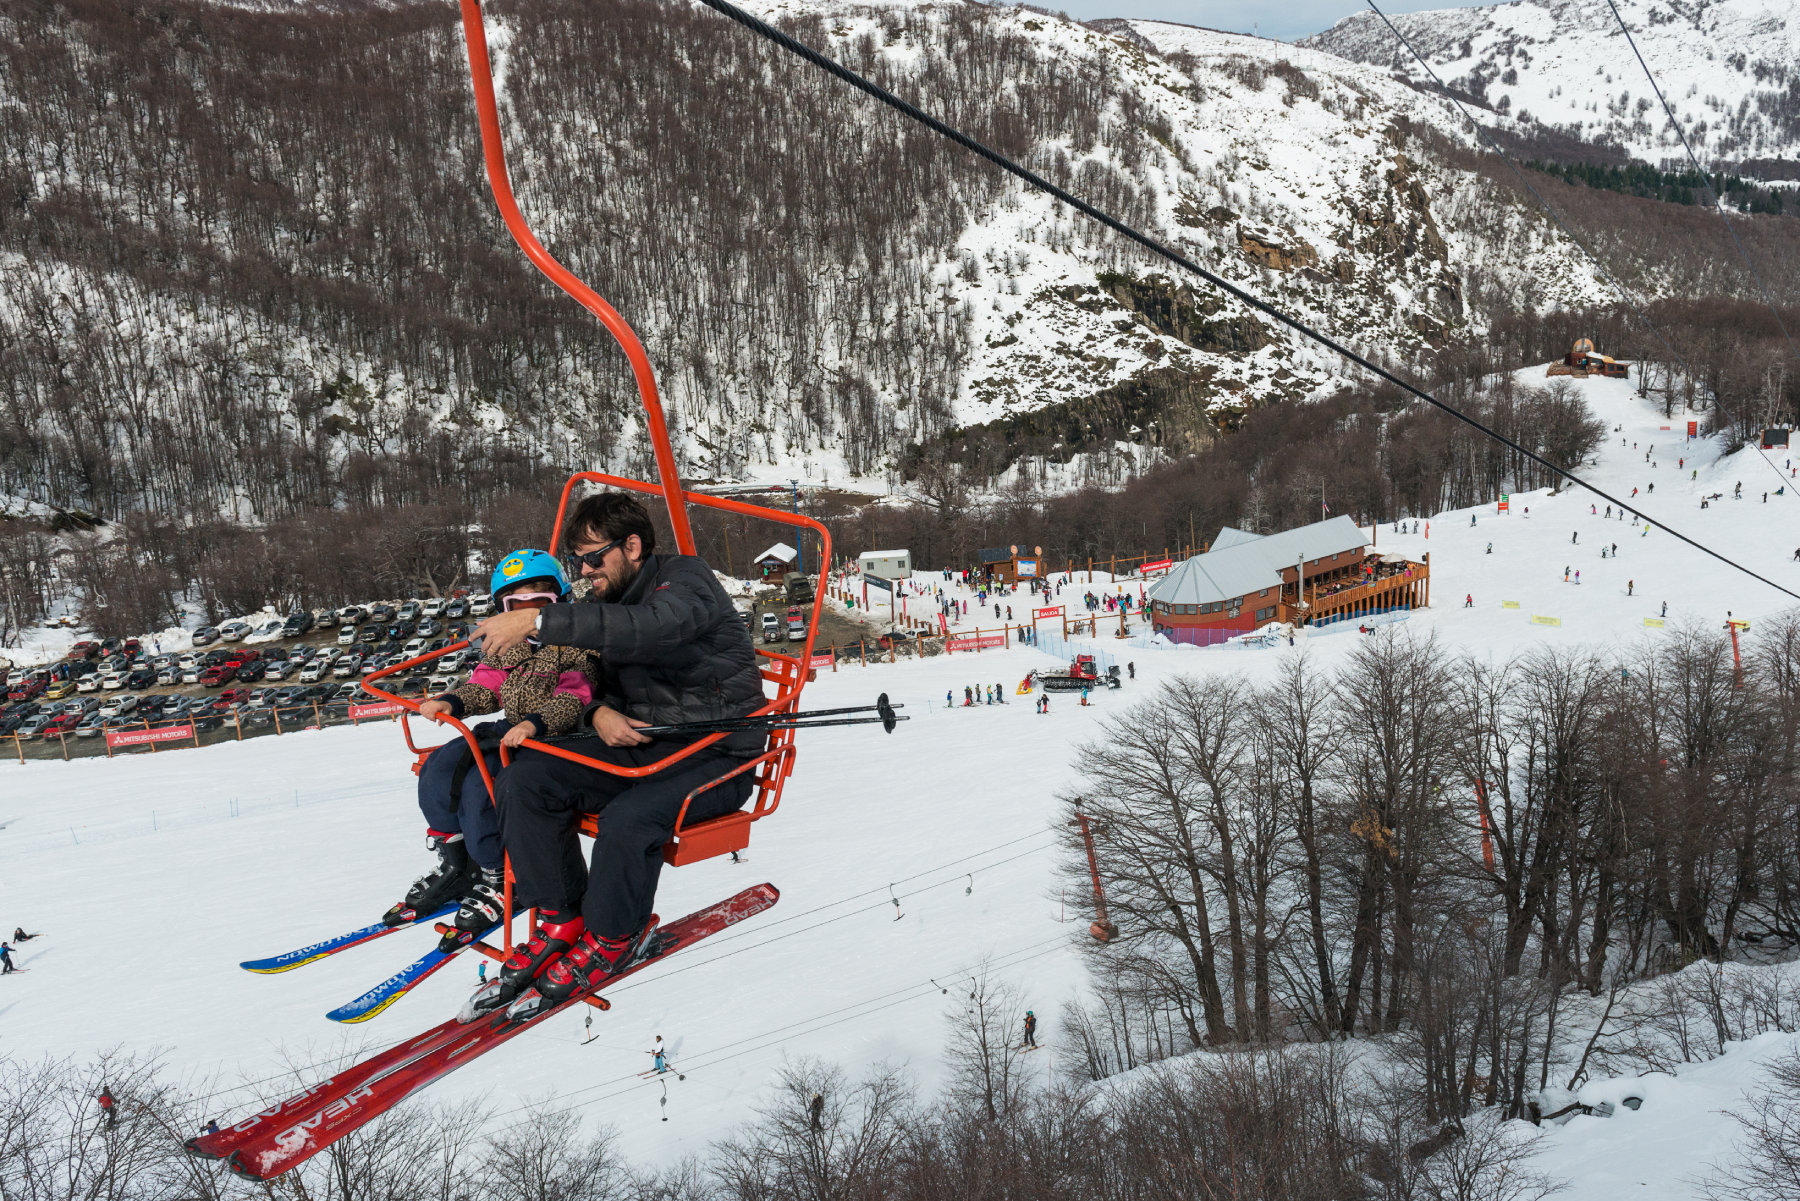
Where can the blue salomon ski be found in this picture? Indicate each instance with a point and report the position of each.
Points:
(331, 946)
(393, 988)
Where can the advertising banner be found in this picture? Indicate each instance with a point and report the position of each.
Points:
(875, 581)
(1037, 614)
(376, 709)
(119, 738)
(825, 660)
(975, 642)
(1027, 569)
(1509, 604)
(1546, 621)
(1655, 623)
(1159, 565)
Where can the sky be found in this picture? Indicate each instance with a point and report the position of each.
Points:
(1286, 20)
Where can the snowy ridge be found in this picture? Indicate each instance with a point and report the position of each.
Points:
(1727, 68)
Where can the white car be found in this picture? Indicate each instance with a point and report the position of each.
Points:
(191, 675)
(190, 659)
(169, 675)
(268, 631)
(440, 683)
(351, 615)
(433, 607)
(312, 672)
(414, 648)
(231, 631)
(114, 679)
(346, 666)
(481, 606)
(280, 669)
(88, 683)
(408, 612)
(347, 635)
(119, 706)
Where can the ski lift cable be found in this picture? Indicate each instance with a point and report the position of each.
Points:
(301, 1072)
(831, 66)
(1494, 145)
(1705, 180)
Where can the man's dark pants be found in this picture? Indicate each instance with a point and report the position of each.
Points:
(542, 797)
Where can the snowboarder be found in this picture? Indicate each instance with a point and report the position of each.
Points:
(109, 1106)
(1030, 1029)
(674, 650)
(1490, 549)
(6, 963)
(541, 690)
(999, 694)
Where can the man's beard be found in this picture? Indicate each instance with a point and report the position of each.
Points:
(611, 590)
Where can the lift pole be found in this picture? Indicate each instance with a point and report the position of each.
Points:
(1102, 927)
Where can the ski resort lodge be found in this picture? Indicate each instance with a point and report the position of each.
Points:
(1315, 574)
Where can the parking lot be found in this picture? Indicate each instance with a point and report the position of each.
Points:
(241, 680)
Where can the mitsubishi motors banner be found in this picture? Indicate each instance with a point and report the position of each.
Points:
(376, 709)
(975, 642)
(823, 659)
(119, 738)
(1039, 614)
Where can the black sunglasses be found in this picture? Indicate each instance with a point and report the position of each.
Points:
(593, 558)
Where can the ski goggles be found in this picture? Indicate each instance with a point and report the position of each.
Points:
(527, 600)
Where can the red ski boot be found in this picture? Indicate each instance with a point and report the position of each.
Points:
(556, 932)
(584, 967)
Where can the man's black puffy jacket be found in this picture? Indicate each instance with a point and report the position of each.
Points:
(672, 649)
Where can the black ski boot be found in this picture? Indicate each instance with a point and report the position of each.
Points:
(556, 933)
(483, 905)
(435, 888)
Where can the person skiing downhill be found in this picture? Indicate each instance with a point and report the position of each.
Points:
(6, 963)
(542, 691)
(1030, 1029)
(672, 650)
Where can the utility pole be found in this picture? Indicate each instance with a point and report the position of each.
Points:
(799, 536)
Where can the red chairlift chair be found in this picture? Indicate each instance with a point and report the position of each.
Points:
(714, 836)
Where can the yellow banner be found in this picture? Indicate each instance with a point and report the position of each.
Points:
(1655, 623)
(1509, 604)
(1545, 621)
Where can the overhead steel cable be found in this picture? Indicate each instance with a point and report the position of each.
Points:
(831, 66)
(1495, 146)
(1705, 180)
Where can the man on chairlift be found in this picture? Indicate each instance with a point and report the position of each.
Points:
(672, 649)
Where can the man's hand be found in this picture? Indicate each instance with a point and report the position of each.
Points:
(519, 733)
(505, 630)
(615, 729)
(430, 709)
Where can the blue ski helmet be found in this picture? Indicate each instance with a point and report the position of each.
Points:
(524, 565)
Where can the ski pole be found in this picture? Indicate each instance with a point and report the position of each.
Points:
(782, 720)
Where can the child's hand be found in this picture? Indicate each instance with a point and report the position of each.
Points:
(519, 733)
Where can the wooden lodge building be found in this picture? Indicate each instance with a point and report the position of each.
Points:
(1583, 360)
(1317, 573)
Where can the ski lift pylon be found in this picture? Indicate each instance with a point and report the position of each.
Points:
(715, 836)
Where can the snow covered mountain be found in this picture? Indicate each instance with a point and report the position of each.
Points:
(245, 347)
(1727, 67)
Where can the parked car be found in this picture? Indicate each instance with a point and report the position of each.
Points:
(346, 666)
(248, 673)
(90, 724)
(279, 669)
(217, 676)
(401, 630)
(430, 627)
(381, 614)
(140, 679)
(312, 671)
(60, 689)
(796, 628)
(414, 648)
(481, 606)
(267, 631)
(410, 611)
(771, 628)
(368, 635)
(62, 725)
(33, 727)
(205, 635)
(88, 683)
(297, 624)
(120, 706)
(233, 631)
(433, 607)
(352, 615)
(347, 635)
(457, 609)
(114, 679)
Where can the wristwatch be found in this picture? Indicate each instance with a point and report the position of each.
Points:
(537, 623)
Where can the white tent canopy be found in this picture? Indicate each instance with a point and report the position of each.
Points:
(780, 552)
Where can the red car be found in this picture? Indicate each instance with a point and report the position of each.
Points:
(216, 675)
(26, 690)
(63, 725)
(232, 696)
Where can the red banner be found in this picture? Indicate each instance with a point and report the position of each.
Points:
(1693, 429)
(376, 709)
(1159, 565)
(119, 738)
(824, 660)
(1041, 613)
(974, 642)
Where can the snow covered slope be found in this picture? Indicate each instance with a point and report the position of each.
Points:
(166, 870)
(1726, 66)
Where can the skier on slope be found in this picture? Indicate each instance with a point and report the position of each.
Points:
(542, 691)
(1030, 1029)
(672, 650)
(6, 963)
(19, 935)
